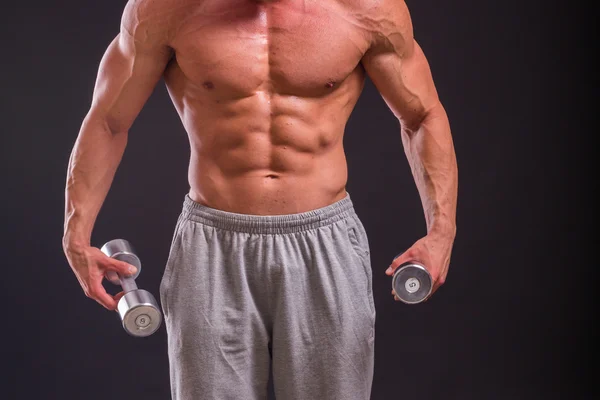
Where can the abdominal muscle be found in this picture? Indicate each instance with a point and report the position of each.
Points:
(264, 154)
(269, 191)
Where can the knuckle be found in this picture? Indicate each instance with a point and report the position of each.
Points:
(91, 293)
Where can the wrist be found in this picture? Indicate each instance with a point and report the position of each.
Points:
(74, 243)
(443, 228)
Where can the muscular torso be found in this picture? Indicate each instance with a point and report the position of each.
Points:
(264, 90)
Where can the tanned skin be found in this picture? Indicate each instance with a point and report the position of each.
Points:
(264, 90)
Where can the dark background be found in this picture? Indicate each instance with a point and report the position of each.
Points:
(514, 318)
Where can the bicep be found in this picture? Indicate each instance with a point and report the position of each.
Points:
(404, 81)
(127, 75)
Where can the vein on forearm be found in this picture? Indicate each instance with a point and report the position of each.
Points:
(92, 166)
(430, 153)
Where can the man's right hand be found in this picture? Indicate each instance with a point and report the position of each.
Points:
(91, 266)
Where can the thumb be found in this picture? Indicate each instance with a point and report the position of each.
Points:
(400, 259)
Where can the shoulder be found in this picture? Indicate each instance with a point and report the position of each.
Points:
(386, 22)
(392, 9)
(149, 20)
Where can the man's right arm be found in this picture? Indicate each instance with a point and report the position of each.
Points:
(130, 69)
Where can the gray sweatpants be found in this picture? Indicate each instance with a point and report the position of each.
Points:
(243, 292)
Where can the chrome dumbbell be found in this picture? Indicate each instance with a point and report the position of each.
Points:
(412, 283)
(138, 309)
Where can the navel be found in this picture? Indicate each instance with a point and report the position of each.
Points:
(208, 85)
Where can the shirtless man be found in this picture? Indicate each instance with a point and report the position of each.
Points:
(269, 262)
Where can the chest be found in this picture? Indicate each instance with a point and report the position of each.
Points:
(294, 46)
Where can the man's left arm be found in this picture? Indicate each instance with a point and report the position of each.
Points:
(400, 71)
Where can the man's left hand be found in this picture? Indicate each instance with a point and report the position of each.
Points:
(433, 251)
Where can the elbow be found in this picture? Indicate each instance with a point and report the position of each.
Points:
(101, 122)
(412, 123)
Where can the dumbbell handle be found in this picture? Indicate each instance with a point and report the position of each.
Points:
(121, 249)
(127, 282)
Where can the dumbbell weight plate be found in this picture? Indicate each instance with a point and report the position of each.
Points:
(412, 283)
(140, 313)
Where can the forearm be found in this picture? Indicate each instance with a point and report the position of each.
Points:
(430, 152)
(92, 166)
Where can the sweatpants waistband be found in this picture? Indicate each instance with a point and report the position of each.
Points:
(268, 224)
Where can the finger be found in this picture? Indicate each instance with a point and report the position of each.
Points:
(121, 267)
(113, 277)
(440, 280)
(98, 293)
(397, 261)
(118, 296)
